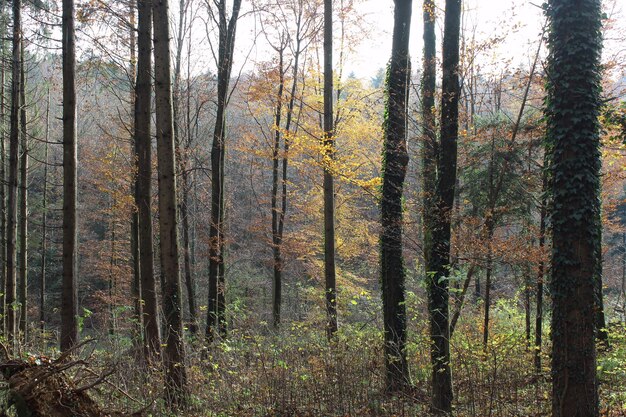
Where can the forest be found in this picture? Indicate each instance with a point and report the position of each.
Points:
(306, 208)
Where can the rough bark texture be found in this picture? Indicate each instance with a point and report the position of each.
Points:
(69, 295)
(572, 131)
(438, 263)
(395, 164)
(3, 212)
(175, 368)
(143, 187)
(216, 319)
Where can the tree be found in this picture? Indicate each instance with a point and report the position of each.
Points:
(395, 161)
(143, 185)
(438, 252)
(572, 135)
(329, 187)
(23, 226)
(69, 301)
(44, 223)
(175, 368)
(10, 282)
(217, 302)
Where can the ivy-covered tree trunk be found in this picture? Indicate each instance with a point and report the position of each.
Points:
(395, 161)
(438, 258)
(3, 217)
(572, 133)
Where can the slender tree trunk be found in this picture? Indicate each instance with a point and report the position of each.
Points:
(175, 368)
(439, 256)
(112, 283)
(395, 159)
(23, 226)
(216, 304)
(143, 186)
(189, 279)
(602, 334)
(540, 272)
(44, 226)
(329, 187)
(14, 140)
(69, 301)
(572, 107)
(276, 239)
(134, 226)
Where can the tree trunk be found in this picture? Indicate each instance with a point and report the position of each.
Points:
(44, 226)
(175, 368)
(329, 187)
(216, 303)
(69, 302)
(572, 108)
(143, 187)
(276, 239)
(540, 273)
(395, 158)
(439, 257)
(23, 206)
(14, 140)
(3, 179)
(134, 225)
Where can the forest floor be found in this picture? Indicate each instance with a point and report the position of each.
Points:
(297, 372)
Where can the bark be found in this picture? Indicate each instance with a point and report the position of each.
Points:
(143, 186)
(540, 273)
(276, 238)
(216, 319)
(394, 172)
(69, 292)
(44, 226)
(3, 211)
(23, 226)
(329, 187)
(11, 233)
(439, 256)
(175, 368)
(134, 226)
(572, 107)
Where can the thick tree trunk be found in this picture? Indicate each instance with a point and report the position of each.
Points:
(143, 187)
(69, 292)
(572, 108)
(14, 140)
(395, 158)
(329, 187)
(439, 257)
(23, 281)
(175, 368)
(3, 178)
(216, 319)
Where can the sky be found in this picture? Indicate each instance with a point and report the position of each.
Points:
(518, 24)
